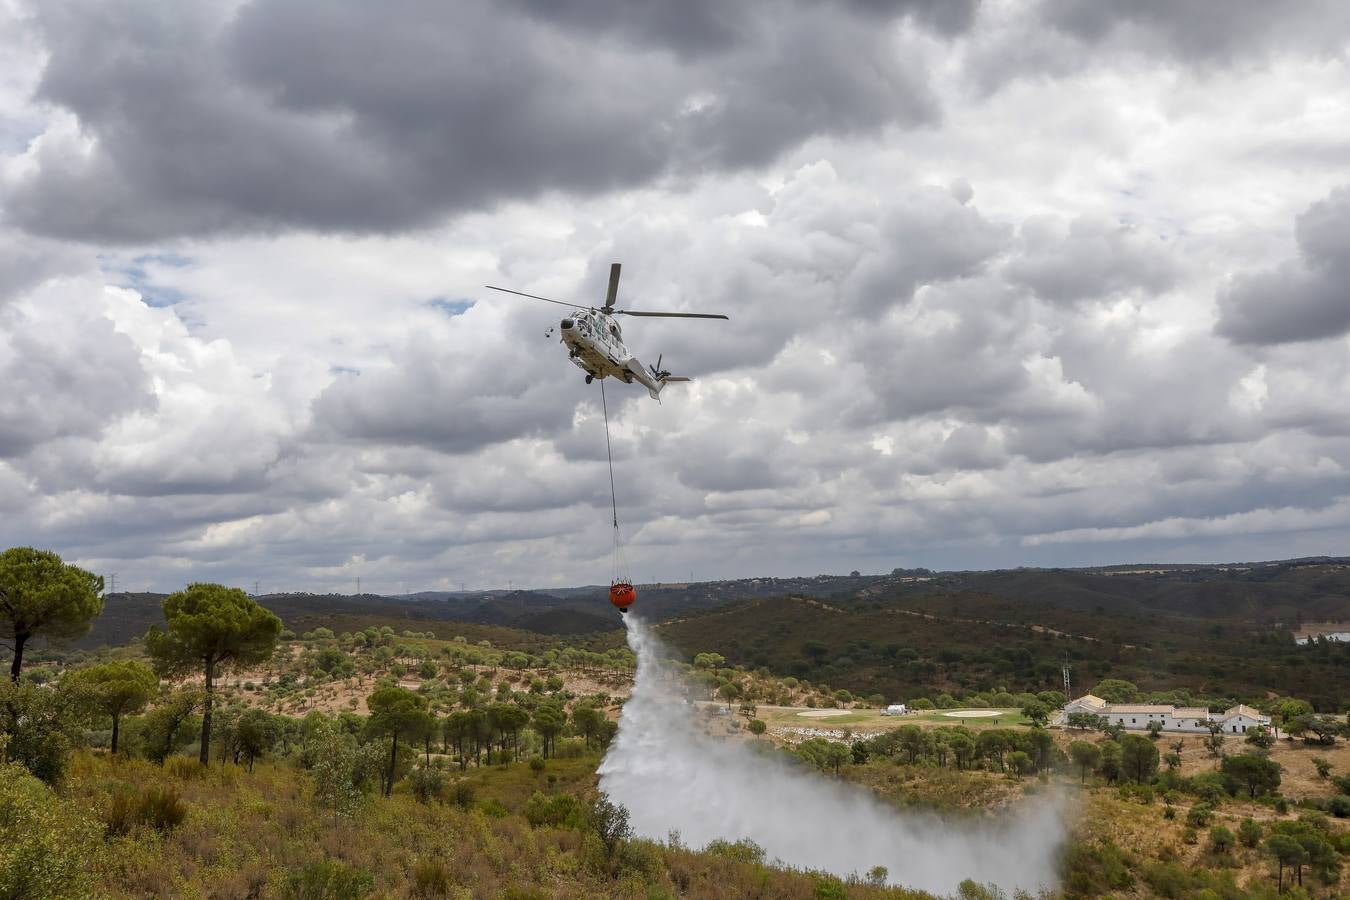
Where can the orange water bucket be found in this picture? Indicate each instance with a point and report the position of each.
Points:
(622, 595)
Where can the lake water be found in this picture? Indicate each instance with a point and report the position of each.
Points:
(1330, 635)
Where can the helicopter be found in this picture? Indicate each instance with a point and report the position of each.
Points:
(594, 339)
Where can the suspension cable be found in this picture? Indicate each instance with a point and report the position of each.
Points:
(609, 454)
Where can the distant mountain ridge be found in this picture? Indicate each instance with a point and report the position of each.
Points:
(1309, 589)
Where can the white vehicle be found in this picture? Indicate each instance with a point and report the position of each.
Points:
(895, 709)
(594, 339)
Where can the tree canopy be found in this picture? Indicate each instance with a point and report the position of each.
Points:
(41, 595)
(118, 688)
(1139, 757)
(396, 711)
(211, 629)
(1256, 773)
(1116, 690)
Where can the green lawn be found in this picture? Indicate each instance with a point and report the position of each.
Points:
(872, 718)
(1006, 718)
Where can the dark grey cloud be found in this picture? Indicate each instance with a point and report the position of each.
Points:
(698, 27)
(1203, 31)
(26, 262)
(1303, 299)
(368, 118)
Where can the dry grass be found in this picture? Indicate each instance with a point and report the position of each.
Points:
(246, 835)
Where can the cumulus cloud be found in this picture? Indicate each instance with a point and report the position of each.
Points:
(1192, 30)
(1089, 260)
(193, 120)
(67, 371)
(241, 269)
(1304, 299)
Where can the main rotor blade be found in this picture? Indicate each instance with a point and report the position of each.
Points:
(613, 291)
(535, 297)
(667, 315)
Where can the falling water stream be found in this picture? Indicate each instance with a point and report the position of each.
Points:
(675, 778)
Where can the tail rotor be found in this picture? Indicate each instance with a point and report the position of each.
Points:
(657, 372)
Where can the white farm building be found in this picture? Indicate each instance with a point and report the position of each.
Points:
(1173, 718)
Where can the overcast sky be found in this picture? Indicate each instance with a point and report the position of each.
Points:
(1034, 283)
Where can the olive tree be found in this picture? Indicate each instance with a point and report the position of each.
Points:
(211, 629)
(117, 688)
(41, 595)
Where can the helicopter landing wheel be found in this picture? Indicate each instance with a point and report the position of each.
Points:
(590, 378)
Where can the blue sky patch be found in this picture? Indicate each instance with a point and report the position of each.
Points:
(451, 307)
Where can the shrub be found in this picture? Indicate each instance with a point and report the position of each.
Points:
(537, 764)
(461, 794)
(757, 726)
(829, 888)
(1212, 787)
(329, 879)
(1199, 815)
(1140, 793)
(1092, 870)
(120, 816)
(431, 878)
(42, 725)
(1249, 832)
(516, 892)
(1220, 839)
(47, 847)
(610, 821)
(743, 851)
(426, 783)
(160, 808)
(184, 769)
(1168, 879)
(970, 889)
(641, 858)
(558, 810)
(154, 807)
(1339, 806)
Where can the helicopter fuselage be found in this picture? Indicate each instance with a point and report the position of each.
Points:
(594, 343)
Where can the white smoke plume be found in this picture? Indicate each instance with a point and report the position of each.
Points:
(674, 777)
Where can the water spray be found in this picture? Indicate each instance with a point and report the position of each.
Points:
(675, 778)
